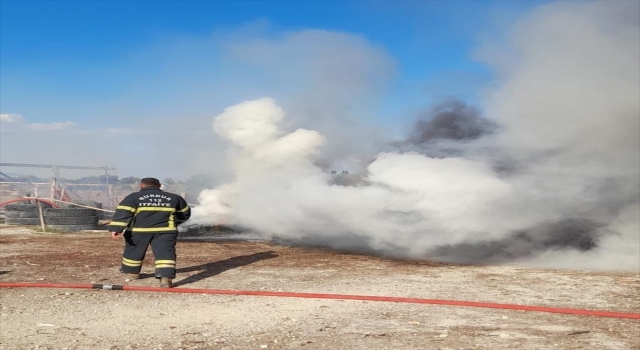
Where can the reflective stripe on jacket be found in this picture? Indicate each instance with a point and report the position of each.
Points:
(150, 210)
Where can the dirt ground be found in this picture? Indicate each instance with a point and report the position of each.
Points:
(97, 319)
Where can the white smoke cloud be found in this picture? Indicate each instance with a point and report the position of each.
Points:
(568, 103)
(260, 148)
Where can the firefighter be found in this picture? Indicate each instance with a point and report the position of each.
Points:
(150, 217)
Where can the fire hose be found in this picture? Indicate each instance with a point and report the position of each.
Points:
(599, 313)
(42, 200)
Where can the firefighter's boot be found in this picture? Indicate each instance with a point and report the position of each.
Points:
(133, 276)
(166, 282)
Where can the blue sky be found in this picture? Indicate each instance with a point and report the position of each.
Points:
(126, 76)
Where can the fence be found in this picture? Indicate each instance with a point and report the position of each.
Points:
(54, 190)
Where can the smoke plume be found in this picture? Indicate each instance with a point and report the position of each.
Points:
(444, 130)
(550, 178)
(452, 120)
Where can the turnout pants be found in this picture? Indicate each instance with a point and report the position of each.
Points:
(163, 246)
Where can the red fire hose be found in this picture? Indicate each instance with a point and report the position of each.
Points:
(29, 199)
(330, 296)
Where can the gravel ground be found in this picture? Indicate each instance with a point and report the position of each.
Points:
(95, 319)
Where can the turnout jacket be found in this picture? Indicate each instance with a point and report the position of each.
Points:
(151, 210)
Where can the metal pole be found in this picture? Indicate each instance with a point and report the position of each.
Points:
(110, 195)
(106, 173)
(53, 189)
(40, 214)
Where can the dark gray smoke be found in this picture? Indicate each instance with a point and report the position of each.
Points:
(444, 129)
(578, 235)
(451, 120)
(569, 234)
